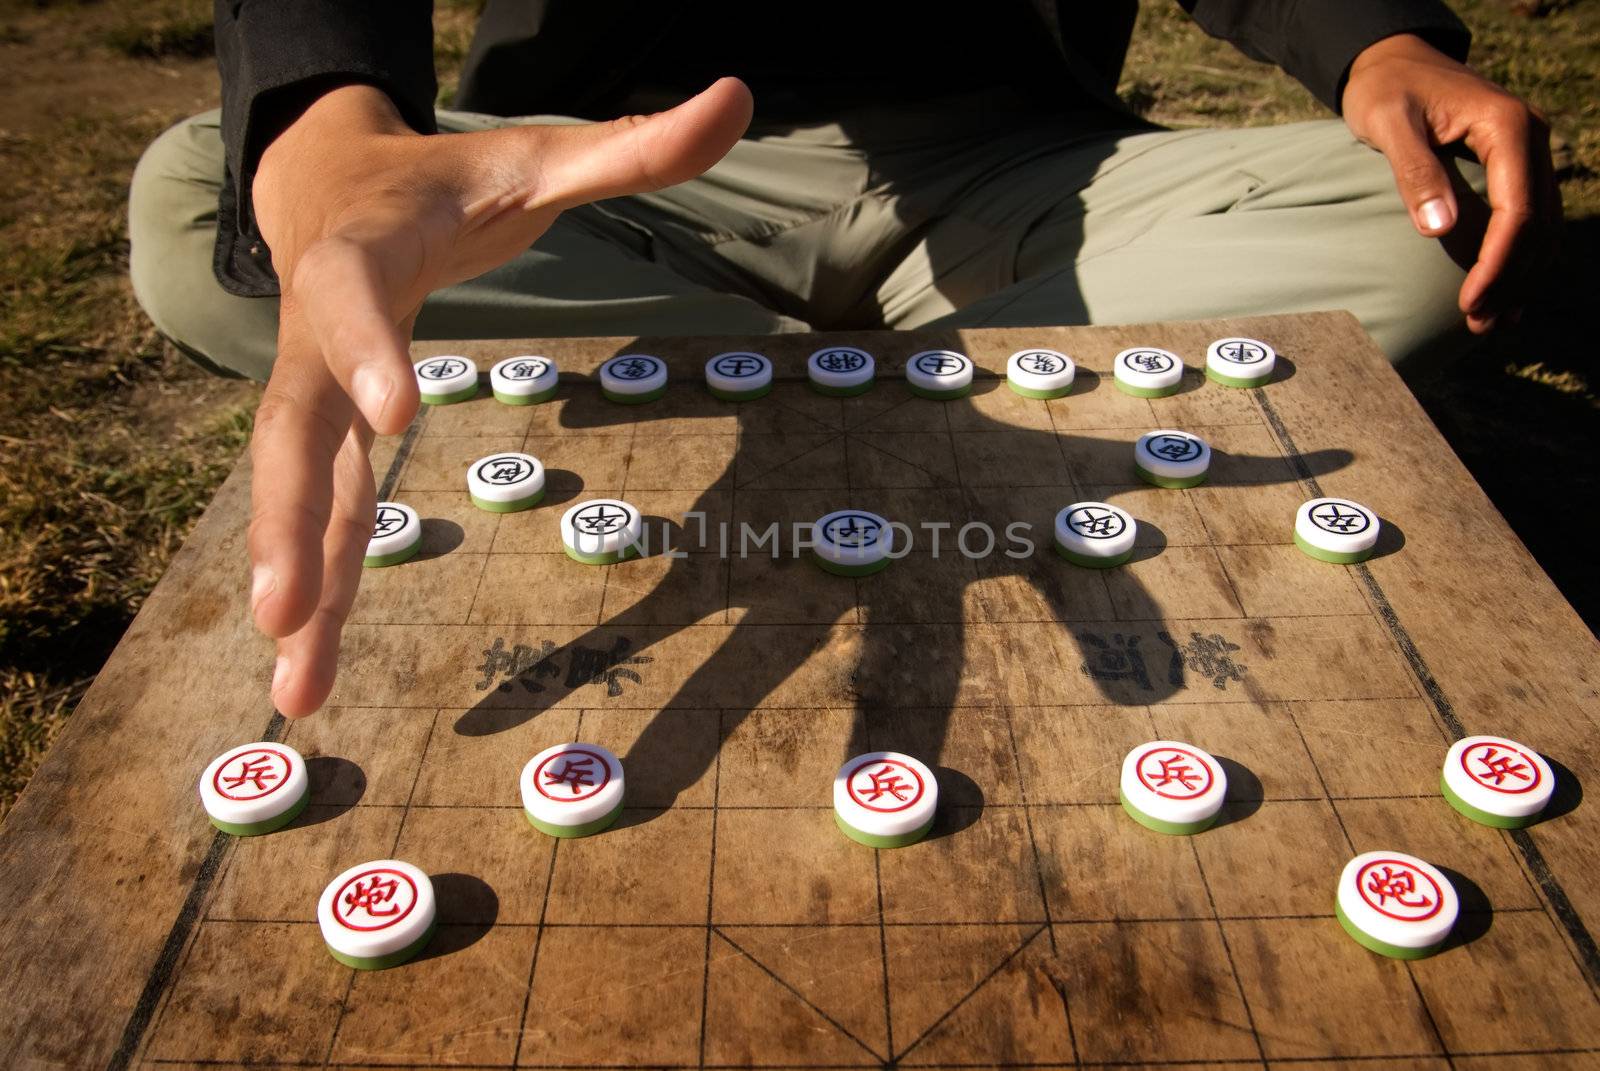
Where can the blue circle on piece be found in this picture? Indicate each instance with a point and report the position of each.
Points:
(1147, 361)
(532, 368)
(1174, 447)
(841, 361)
(442, 368)
(1092, 523)
(388, 520)
(633, 367)
(504, 470)
(1242, 352)
(1330, 518)
(1041, 362)
(854, 530)
(599, 519)
(738, 365)
(940, 364)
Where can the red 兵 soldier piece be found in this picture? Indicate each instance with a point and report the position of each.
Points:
(1500, 769)
(887, 782)
(898, 786)
(583, 773)
(578, 773)
(1174, 773)
(252, 774)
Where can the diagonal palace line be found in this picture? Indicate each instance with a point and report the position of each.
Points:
(770, 973)
(1583, 947)
(807, 416)
(878, 415)
(834, 437)
(938, 481)
(163, 972)
(998, 967)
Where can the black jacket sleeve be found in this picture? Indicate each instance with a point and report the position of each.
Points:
(276, 57)
(1315, 41)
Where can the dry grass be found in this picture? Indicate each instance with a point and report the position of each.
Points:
(111, 444)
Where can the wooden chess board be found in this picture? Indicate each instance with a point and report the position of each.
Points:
(725, 920)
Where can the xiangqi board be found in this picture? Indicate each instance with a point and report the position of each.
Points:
(724, 918)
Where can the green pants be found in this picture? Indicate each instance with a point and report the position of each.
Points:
(966, 212)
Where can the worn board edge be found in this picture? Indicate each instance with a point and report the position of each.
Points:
(98, 715)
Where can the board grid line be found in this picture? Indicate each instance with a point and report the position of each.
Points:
(1303, 472)
(1215, 1062)
(711, 894)
(1025, 806)
(913, 924)
(1582, 945)
(801, 997)
(159, 980)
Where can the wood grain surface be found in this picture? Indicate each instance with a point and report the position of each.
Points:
(725, 921)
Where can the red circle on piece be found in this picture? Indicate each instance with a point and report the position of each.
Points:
(1138, 768)
(605, 776)
(388, 920)
(283, 779)
(1438, 893)
(1532, 765)
(850, 786)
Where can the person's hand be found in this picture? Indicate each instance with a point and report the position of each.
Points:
(1405, 98)
(365, 218)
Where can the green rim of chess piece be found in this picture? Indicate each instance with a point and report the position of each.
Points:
(393, 959)
(1175, 829)
(1148, 392)
(526, 399)
(838, 569)
(1333, 556)
(1091, 562)
(874, 840)
(255, 829)
(514, 506)
(464, 395)
(1477, 814)
(841, 392)
(587, 829)
(1168, 481)
(1042, 395)
(1236, 381)
(612, 558)
(633, 399)
(379, 561)
(940, 395)
(1382, 948)
(740, 395)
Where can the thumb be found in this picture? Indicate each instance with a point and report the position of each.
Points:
(636, 153)
(1420, 176)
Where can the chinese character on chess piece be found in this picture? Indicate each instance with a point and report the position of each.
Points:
(572, 790)
(885, 799)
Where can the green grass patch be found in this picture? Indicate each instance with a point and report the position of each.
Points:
(111, 443)
(181, 30)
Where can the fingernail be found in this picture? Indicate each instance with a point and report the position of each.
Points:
(280, 673)
(371, 389)
(1435, 214)
(262, 582)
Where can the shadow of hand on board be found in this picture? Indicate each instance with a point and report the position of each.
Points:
(932, 632)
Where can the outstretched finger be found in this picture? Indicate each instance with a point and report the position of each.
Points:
(308, 659)
(578, 164)
(1496, 282)
(300, 427)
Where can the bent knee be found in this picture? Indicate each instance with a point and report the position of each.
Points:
(172, 229)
